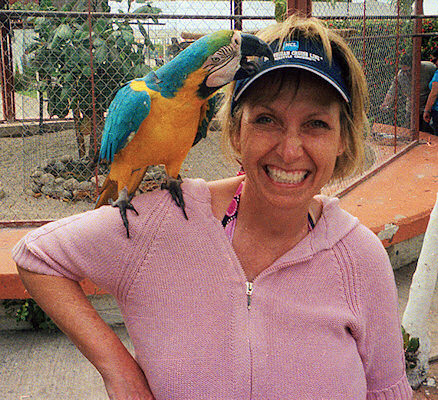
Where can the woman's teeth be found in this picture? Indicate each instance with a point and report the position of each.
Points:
(282, 176)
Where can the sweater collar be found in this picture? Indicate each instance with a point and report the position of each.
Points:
(334, 224)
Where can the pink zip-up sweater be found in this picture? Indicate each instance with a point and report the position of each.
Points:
(320, 323)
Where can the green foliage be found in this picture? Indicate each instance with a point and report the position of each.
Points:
(410, 346)
(429, 44)
(405, 6)
(280, 10)
(60, 58)
(29, 311)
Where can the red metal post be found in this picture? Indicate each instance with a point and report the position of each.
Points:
(6, 66)
(303, 7)
(397, 57)
(416, 62)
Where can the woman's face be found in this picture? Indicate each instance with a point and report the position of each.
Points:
(289, 144)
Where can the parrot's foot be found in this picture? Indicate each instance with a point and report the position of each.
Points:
(124, 203)
(174, 187)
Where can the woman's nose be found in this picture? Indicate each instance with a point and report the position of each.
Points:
(290, 147)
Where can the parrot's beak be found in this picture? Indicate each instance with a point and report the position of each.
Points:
(251, 46)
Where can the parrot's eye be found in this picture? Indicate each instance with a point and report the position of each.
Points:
(215, 59)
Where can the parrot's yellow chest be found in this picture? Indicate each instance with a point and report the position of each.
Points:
(168, 132)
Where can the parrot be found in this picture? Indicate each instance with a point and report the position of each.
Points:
(157, 119)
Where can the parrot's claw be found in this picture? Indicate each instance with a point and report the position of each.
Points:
(124, 203)
(174, 187)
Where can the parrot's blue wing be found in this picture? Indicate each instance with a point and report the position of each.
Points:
(125, 114)
(209, 111)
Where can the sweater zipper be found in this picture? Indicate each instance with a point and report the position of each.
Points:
(249, 290)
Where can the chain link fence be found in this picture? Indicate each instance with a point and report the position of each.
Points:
(61, 69)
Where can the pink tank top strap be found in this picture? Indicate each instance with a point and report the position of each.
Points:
(229, 220)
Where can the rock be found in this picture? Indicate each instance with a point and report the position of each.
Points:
(71, 184)
(54, 190)
(65, 159)
(36, 174)
(82, 195)
(85, 185)
(47, 189)
(35, 187)
(47, 179)
(59, 181)
(67, 194)
(430, 382)
(156, 173)
(100, 179)
(59, 166)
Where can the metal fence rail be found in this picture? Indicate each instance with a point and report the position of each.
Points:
(65, 67)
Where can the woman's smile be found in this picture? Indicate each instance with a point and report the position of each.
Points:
(289, 177)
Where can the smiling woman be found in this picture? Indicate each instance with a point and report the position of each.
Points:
(290, 297)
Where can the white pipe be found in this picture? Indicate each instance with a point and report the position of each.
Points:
(420, 298)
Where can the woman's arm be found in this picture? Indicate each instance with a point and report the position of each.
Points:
(430, 101)
(65, 302)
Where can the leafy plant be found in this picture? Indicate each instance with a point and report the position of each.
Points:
(67, 64)
(28, 311)
(429, 44)
(410, 346)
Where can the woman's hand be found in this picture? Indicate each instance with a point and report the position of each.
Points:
(426, 116)
(128, 385)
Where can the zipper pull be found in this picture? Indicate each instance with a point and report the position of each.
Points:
(249, 290)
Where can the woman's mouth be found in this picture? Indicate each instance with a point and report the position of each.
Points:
(288, 177)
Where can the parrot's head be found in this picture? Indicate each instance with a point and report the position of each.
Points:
(210, 63)
(225, 58)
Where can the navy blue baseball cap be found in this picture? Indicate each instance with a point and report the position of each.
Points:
(302, 53)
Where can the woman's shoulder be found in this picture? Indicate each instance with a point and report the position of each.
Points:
(340, 225)
(222, 192)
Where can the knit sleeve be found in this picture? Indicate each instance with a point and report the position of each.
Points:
(91, 245)
(379, 342)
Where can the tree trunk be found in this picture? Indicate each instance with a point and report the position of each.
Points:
(420, 297)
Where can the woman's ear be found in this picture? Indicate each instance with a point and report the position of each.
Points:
(235, 141)
(341, 145)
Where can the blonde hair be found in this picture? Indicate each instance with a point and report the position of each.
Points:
(353, 117)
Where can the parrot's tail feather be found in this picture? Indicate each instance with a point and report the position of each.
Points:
(108, 191)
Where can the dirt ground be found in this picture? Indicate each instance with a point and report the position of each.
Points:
(20, 156)
(429, 392)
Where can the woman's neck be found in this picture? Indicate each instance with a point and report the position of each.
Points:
(260, 217)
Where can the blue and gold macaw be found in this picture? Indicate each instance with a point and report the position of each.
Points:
(158, 118)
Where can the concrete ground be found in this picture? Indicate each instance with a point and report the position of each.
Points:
(46, 366)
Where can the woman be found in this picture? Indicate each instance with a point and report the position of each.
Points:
(430, 114)
(294, 299)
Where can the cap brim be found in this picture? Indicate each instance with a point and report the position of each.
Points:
(297, 65)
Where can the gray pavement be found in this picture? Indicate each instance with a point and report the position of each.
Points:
(46, 366)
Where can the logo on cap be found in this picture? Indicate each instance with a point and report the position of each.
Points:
(291, 46)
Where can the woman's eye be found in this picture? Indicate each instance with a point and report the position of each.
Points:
(264, 120)
(318, 124)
